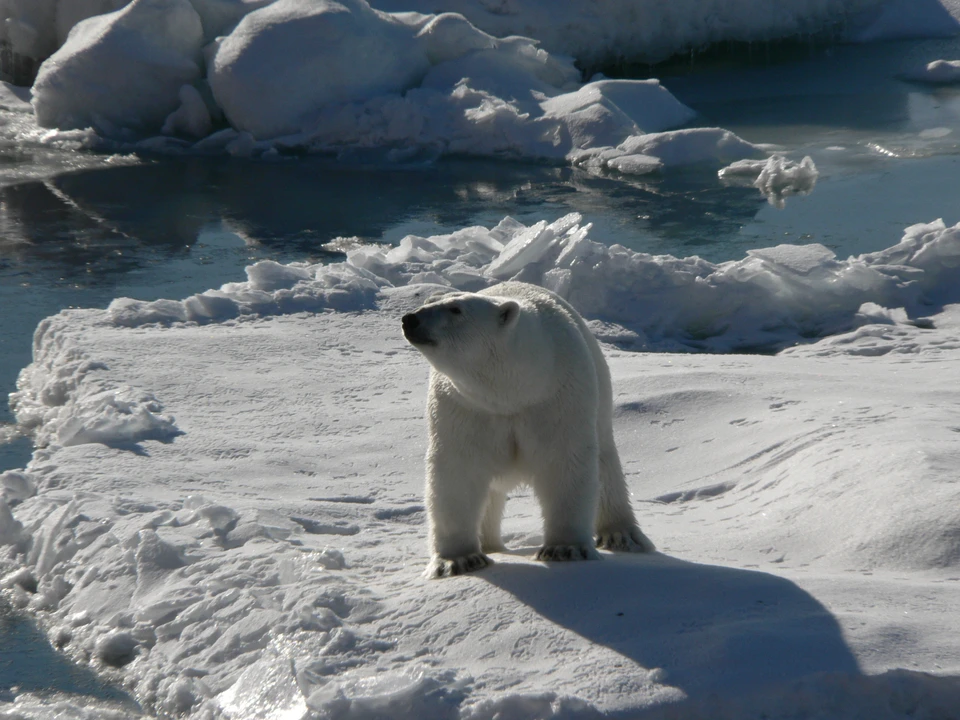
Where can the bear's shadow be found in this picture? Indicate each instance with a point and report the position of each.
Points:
(713, 630)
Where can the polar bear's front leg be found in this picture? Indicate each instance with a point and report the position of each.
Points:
(568, 491)
(457, 492)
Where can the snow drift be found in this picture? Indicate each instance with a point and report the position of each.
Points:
(295, 76)
(773, 298)
(121, 71)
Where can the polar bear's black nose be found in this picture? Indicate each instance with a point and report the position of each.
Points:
(410, 321)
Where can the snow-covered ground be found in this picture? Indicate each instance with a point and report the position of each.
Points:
(224, 512)
(226, 516)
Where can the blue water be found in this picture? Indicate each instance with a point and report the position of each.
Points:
(888, 153)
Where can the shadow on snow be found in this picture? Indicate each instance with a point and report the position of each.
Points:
(713, 630)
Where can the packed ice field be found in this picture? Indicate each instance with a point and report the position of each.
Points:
(224, 513)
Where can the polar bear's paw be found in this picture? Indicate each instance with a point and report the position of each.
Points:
(554, 553)
(447, 567)
(632, 540)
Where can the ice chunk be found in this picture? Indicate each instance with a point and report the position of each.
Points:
(449, 35)
(798, 259)
(266, 690)
(684, 147)
(123, 70)
(10, 529)
(16, 486)
(114, 417)
(638, 164)
(23, 578)
(742, 171)
(127, 312)
(268, 275)
(527, 247)
(344, 51)
(938, 72)
(781, 178)
(646, 103)
(116, 648)
(409, 693)
(191, 118)
(776, 177)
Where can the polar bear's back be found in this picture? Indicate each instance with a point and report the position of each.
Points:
(543, 298)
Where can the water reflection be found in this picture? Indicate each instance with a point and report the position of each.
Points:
(92, 224)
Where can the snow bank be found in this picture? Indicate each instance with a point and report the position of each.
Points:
(345, 52)
(773, 298)
(609, 31)
(123, 70)
(299, 76)
(115, 416)
(329, 76)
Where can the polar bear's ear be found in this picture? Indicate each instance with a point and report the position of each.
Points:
(508, 313)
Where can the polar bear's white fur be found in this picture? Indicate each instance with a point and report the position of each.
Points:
(519, 393)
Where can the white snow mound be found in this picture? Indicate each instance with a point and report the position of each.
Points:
(121, 71)
(773, 298)
(290, 59)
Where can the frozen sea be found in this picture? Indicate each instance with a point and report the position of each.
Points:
(81, 229)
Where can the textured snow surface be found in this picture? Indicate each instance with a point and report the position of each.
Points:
(266, 562)
(773, 298)
(269, 78)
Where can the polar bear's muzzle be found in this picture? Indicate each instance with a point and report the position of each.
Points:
(415, 331)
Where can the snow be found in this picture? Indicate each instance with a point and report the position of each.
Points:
(262, 555)
(608, 31)
(272, 78)
(224, 510)
(937, 72)
(771, 299)
(347, 52)
(776, 177)
(149, 49)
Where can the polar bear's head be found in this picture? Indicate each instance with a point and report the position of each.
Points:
(460, 334)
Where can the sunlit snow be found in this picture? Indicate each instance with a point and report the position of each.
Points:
(224, 512)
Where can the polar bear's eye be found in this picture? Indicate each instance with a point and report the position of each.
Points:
(454, 309)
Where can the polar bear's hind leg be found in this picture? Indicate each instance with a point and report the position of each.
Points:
(617, 528)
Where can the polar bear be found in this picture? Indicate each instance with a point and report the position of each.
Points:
(519, 393)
